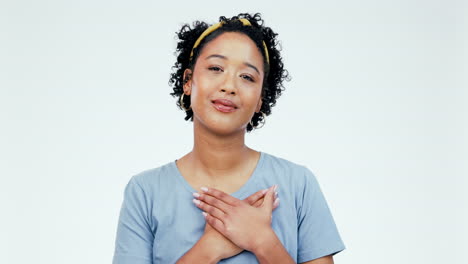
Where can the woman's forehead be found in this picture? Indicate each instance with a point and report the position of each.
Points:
(233, 46)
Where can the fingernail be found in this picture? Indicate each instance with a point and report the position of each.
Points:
(196, 195)
(204, 214)
(276, 194)
(204, 189)
(195, 201)
(264, 191)
(275, 187)
(276, 202)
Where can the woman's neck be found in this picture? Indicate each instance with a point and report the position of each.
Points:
(220, 155)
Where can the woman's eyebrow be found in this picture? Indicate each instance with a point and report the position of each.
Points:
(225, 58)
(251, 66)
(216, 56)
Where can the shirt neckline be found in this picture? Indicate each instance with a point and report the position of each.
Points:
(239, 193)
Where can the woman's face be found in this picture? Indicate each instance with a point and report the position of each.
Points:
(226, 83)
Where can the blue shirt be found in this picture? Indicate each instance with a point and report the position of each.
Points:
(158, 222)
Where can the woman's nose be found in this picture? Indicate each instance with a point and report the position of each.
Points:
(229, 85)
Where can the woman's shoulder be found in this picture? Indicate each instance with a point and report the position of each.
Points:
(150, 176)
(282, 163)
(287, 167)
(291, 176)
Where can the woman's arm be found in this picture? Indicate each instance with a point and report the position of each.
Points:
(323, 260)
(134, 238)
(246, 226)
(271, 250)
(213, 246)
(204, 251)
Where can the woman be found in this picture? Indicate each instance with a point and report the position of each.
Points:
(221, 202)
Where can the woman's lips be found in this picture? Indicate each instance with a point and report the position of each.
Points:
(224, 105)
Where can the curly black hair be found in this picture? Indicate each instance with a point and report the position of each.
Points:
(275, 73)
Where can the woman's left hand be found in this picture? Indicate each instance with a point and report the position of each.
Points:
(245, 225)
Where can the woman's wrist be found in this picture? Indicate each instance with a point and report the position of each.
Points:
(211, 246)
(202, 252)
(264, 242)
(209, 249)
(270, 249)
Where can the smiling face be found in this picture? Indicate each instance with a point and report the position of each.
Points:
(226, 83)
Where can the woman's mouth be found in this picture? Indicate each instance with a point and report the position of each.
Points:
(224, 105)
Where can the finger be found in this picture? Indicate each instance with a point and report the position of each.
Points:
(269, 198)
(209, 209)
(276, 203)
(258, 203)
(220, 195)
(213, 201)
(254, 198)
(214, 222)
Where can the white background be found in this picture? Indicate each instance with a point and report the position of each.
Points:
(377, 109)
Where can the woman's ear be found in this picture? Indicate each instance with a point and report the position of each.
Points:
(259, 105)
(187, 81)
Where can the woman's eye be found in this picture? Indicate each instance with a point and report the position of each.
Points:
(248, 78)
(215, 68)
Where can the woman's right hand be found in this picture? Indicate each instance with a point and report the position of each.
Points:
(219, 243)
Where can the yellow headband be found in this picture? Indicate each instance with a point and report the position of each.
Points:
(244, 21)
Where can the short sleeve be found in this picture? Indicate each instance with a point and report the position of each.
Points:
(134, 240)
(318, 235)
